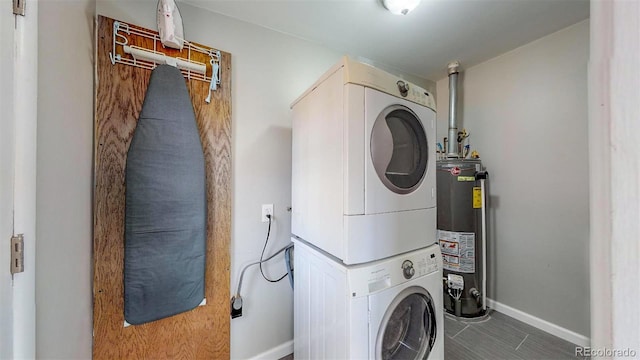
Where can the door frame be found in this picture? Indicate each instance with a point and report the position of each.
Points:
(19, 67)
(7, 170)
(614, 174)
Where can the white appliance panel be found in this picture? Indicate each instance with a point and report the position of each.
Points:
(338, 309)
(378, 198)
(320, 307)
(366, 279)
(377, 236)
(338, 202)
(317, 166)
(354, 145)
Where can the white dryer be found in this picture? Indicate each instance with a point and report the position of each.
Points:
(363, 164)
(387, 309)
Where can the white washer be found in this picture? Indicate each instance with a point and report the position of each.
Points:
(387, 309)
(363, 164)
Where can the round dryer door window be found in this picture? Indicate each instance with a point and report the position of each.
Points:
(408, 329)
(399, 149)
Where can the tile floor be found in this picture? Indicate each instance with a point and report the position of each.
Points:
(499, 337)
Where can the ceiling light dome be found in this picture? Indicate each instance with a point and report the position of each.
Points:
(400, 7)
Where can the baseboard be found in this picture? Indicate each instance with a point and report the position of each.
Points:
(543, 325)
(277, 352)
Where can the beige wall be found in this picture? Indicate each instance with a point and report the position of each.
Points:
(526, 111)
(64, 185)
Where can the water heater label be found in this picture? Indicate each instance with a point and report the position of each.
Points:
(477, 198)
(466, 178)
(458, 251)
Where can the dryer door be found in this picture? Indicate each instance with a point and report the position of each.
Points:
(399, 149)
(408, 328)
(400, 135)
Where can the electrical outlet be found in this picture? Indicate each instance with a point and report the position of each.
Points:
(236, 307)
(267, 209)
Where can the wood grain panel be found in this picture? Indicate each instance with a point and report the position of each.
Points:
(202, 333)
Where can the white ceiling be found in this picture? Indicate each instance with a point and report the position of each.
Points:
(420, 43)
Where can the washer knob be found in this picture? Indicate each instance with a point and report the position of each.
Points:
(407, 269)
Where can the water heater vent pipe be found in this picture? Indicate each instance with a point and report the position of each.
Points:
(452, 145)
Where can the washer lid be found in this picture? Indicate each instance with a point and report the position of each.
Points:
(408, 328)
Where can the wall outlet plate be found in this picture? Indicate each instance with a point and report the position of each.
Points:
(267, 209)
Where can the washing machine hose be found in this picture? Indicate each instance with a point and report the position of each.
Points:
(289, 263)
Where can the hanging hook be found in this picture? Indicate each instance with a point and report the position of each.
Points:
(215, 67)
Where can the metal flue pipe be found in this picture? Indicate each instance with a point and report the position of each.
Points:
(452, 146)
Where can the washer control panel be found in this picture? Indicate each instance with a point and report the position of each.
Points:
(365, 279)
(428, 264)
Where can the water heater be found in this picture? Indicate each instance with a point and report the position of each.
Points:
(461, 219)
(460, 227)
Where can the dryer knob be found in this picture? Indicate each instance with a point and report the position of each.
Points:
(403, 87)
(407, 269)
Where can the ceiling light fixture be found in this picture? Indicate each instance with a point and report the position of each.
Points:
(400, 7)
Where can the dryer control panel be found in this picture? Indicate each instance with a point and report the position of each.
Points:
(369, 278)
(356, 72)
(367, 75)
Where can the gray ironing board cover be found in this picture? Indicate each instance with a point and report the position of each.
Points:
(165, 211)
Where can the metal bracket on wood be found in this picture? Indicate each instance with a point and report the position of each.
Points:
(149, 57)
(18, 7)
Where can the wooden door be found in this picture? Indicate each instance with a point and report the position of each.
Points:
(202, 332)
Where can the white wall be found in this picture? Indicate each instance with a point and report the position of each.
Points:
(526, 111)
(63, 182)
(602, 35)
(615, 175)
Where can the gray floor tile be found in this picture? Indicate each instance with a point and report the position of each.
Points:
(517, 324)
(501, 331)
(554, 342)
(547, 347)
(486, 346)
(454, 350)
(502, 337)
(540, 336)
(452, 326)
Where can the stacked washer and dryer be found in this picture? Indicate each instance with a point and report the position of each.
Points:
(368, 266)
